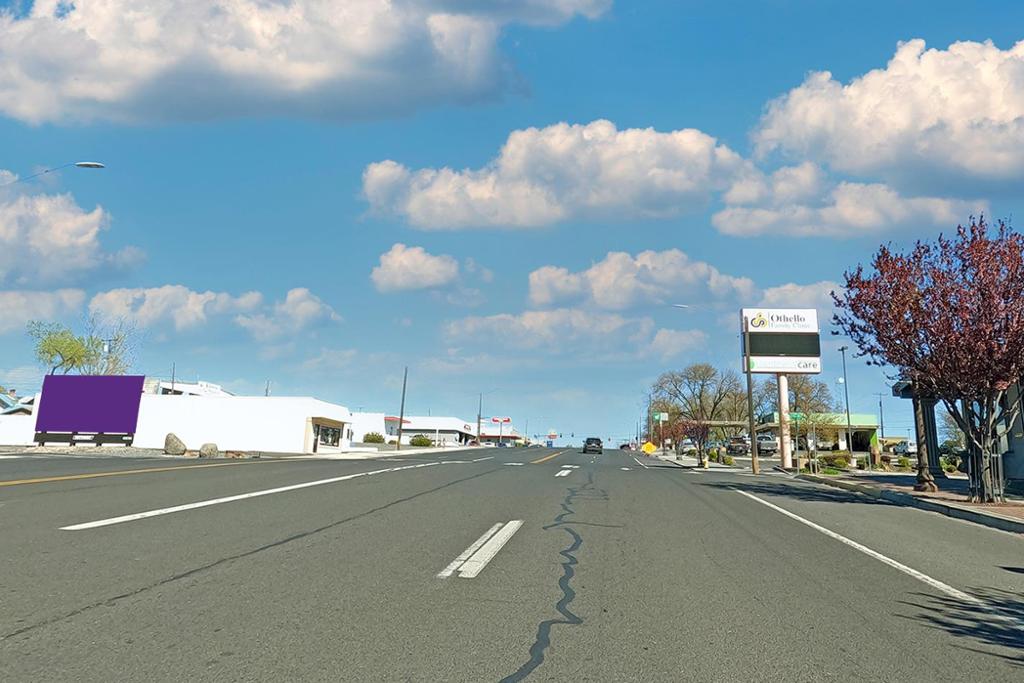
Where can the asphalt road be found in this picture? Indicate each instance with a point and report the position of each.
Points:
(620, 571)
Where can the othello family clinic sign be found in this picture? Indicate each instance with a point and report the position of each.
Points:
(782, 340)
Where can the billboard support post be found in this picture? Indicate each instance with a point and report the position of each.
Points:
(784, 453)
(754, 466)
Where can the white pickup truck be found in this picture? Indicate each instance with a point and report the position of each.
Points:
(766, 443)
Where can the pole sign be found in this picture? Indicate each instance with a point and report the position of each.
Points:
(497, 420)
(662, 417)
(783, 340)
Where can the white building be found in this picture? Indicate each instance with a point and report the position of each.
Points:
(365, 423)
(443, 431)
(202, 412)
(268, 424)
(153, 385)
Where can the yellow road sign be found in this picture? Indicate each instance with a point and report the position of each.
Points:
(648, 448)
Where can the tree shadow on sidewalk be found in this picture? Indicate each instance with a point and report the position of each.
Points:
(998, 622)
(796, 491)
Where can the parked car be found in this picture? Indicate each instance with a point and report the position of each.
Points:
(766, 443)
(686, 446)
(738, 445)
(905, 448)
(593, 445)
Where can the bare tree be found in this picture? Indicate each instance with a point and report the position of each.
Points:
(701, 394)
(114, 345)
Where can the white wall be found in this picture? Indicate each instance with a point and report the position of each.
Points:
(363, 423)
(17, 430)
(274, 424)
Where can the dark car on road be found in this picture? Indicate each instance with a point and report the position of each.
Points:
(593, 445)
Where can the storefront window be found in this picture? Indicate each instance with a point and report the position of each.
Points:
(330, 436)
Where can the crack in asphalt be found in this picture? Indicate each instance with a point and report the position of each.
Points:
(112, 601)
(543, 639)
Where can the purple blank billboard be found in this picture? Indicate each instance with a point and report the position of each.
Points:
(105, 404)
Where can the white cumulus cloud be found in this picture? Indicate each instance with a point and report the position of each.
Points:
(561, 172)
(198, 59)
(668, 344)
(19, 307)
(584, 335)
(404, 268)
(50, 238)
(958, 110)
(177, 304)
(797, 201)
(299, 310)
(621, 281)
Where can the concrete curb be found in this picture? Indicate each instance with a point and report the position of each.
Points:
(989, 519)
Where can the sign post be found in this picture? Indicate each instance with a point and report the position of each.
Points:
(779, 341)
(755, 467)
(662, 419)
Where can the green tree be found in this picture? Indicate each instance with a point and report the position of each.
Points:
(105, 349)
(60, 350)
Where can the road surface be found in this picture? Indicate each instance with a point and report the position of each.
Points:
(487, 565)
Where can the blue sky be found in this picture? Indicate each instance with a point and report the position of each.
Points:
(260, 166)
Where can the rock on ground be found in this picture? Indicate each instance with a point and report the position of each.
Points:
(173, 445)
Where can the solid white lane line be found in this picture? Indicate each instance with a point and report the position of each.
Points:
(231, 499)
(563, 473)
(641, 464)
(478, 560)
(489, 457)
(909, 571)
(457, 562)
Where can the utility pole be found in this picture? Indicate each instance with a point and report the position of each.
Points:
(479, 410)
(172, 378)
(266, 389)
(846, 393)
(754, 466)
(401, 410)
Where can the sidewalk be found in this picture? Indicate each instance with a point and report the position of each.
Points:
(690, 461)
(949, 500)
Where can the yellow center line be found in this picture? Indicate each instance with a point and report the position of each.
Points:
(546, 458)
(93, 475)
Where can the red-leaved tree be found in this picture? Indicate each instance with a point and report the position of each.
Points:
(949, 316)
(698, 431)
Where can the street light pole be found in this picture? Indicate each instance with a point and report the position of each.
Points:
(76, 164)
(846, 393)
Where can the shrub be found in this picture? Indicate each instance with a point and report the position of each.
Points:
(392, 443)
(862, 463)
(713, 456)
(904, 462)
(840, 463)
(727, 460)
(420, 440)
(373, 437)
